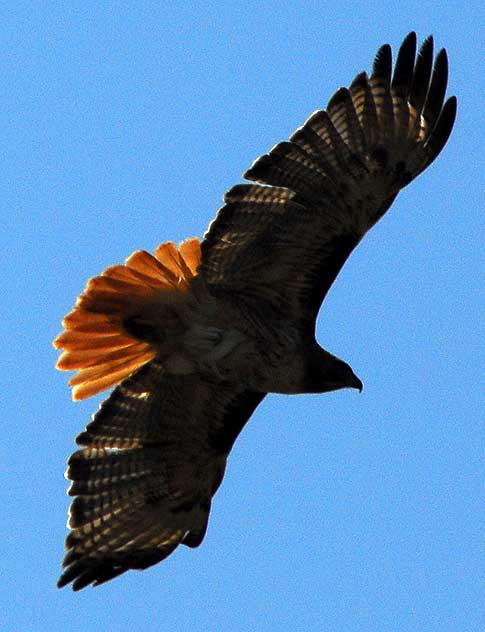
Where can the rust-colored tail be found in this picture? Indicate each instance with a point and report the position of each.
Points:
(95, 340)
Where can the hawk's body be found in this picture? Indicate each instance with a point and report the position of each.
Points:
(196, 337)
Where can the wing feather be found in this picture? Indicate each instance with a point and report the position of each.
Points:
(151, 460)
(341, 171)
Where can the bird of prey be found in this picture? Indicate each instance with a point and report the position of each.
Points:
(194, 337)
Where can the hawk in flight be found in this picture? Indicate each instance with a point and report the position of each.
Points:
(194, 337)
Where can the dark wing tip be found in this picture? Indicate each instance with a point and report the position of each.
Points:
(360, 81)
(410, 37)
(422, 73)
(437, 88)
(83, 574)
(340, 97)
(260, 170)
(383, 63)
(404, 67)
(443, 128)
(96, 571)
(427, 48)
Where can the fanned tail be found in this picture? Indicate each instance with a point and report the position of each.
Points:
(106, 336)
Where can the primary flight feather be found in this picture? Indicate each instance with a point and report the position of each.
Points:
(194, 337)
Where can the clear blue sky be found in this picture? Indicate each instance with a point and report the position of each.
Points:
(122, 125)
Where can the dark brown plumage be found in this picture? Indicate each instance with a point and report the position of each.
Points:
(195, 337)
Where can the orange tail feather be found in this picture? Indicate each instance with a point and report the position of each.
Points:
(94, 340)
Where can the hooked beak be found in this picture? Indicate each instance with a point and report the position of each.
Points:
(356, 383)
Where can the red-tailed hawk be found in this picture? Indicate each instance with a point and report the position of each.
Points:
(194, 337)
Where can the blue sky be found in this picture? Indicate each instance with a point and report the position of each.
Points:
(123, 124)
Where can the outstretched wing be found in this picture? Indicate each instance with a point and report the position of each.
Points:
(153, 457)
(154, 454)
(332, 181)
